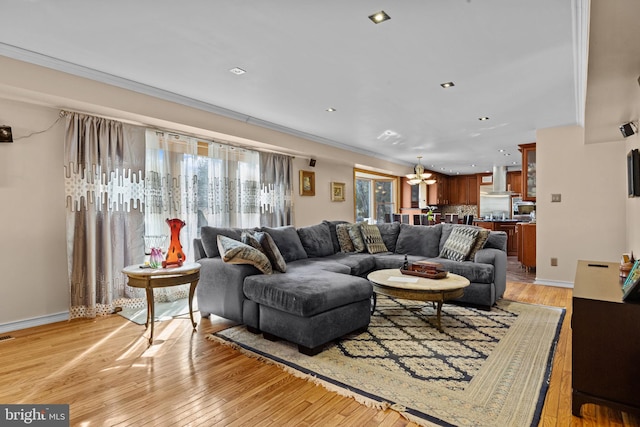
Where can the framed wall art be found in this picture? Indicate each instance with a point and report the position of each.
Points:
(337, 191)
(307, 183)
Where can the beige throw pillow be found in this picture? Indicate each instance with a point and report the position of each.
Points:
(373, 239)
(342, 233)
(459, 243)
(235, 252)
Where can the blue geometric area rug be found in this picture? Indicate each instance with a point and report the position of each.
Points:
(488, 368)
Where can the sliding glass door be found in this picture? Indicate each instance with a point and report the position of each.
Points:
(376, 196)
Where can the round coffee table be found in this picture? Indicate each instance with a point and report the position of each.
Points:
(151, 278)
(393, 283)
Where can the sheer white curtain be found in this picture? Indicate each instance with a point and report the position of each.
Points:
(230, 187)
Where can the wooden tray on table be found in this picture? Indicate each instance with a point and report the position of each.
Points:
(426, 269)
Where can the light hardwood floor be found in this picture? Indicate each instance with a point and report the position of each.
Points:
(105, 371)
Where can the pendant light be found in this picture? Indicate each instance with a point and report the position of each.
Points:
(420, 175)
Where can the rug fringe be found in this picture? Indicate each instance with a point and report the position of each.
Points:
(370, 403)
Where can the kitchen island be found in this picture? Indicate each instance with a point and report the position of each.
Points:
(506, 225)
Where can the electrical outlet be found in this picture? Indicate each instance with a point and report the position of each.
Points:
(556, 198)
(554, 262)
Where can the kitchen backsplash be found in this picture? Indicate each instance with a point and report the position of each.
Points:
(461, 210)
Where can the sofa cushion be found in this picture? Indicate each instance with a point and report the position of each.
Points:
(288, 242)
(271, 250)
(235, 252)
(342, 233)
(306, 294)
(391, 260)
(316, 240)
(372, 239)
(334, 236)
(356, 237)
(481, 239)
(474, 271)
(389, 232)
(459, 243)
(359, 263)
(419, 240)
(317, 264)
(209, 239)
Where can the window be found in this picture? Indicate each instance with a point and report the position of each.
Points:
(376, 196)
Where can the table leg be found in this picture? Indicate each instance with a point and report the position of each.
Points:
(192, 290)
(439, 316)
(151, 311)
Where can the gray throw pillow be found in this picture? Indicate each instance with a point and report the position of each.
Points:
(459, 243)
(342, 233)
(235, 252)
(270, 249)
(421, 240)
(372, 239)
(209, 235)
(356, 237)
(389, 232)
(316, 240)
(287, 240)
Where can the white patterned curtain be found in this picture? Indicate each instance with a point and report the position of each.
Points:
(104, 160)
(276, 180)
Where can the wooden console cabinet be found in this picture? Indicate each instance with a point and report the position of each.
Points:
(526, 238)
(605, 340)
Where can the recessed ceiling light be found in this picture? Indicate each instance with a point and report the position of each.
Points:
(507, 154)
(379, 17)
(330, 110)
(501, 150)
(482, 119)
(447, 85)
(514, 163)
(473, 166)
(237, 71)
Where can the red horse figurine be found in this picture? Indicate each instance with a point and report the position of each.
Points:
(175, 256)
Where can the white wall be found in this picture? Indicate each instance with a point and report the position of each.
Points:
(309, 210)
(590, 222)
(633, 208)
(33, 258)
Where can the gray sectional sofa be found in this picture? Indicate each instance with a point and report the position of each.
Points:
(324, 293)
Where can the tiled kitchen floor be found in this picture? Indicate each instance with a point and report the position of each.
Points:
(516, 273)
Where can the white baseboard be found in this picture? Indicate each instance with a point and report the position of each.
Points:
(557, 283)
(35, 321)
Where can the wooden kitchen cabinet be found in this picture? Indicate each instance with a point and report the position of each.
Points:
(463, 190)
(484, 224)
(528, 171)
(438, 193)
(514, 182)
(526, 242)
(510, 229)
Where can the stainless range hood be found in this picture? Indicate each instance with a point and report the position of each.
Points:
(499, 187)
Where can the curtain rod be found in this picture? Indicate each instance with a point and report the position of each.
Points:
(193, 135)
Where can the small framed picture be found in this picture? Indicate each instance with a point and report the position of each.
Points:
(307, 183)
(337, 191)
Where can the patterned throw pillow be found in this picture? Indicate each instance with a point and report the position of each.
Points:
(459, 243)
(270, 248)
(248, 238)
(342, 232)
(373, 239)
(483, 235)
(356, 237)
(235, 252)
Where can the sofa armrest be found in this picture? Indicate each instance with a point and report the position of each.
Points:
(498, 258)
(220, 291)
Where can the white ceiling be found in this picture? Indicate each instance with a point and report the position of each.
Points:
(515, 61)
